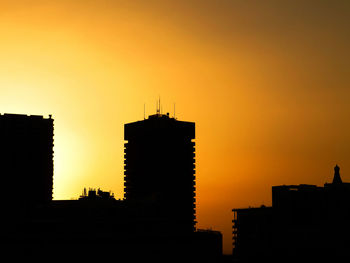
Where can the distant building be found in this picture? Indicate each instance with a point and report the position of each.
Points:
(251, 232)
(160, 168)
(26, 160)
(92, 194)
(304, 221)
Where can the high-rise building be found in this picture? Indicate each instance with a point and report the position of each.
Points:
(160, 168)
(26, 160)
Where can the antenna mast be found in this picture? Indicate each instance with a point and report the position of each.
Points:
(158, 106)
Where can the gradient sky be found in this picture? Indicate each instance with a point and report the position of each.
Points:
(267, 83)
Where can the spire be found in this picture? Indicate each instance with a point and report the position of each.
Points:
(336, 178)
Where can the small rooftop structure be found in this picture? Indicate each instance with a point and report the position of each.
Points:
(336, 178)
(92, 194)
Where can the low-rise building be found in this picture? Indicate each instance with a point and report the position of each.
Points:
(303, 221)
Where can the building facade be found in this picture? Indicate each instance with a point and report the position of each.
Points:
(160, 168)
(26, 160)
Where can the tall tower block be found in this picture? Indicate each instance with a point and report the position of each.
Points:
(160, 167)
(26, 160)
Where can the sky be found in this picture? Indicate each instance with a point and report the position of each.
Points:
(266, 82)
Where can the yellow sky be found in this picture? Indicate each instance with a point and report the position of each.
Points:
(267, 83)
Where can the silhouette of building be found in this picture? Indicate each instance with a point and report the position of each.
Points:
(99, 194)
(160, 168)
(155, 221)
(26, 161)
(305, 221)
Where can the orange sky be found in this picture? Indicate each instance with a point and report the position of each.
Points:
(267, 83)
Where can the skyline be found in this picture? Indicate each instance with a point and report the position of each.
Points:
(267, 85)
(153, 219)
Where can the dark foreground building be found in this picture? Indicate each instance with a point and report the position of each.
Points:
(304, 222)
(26, 162)
(155, 221)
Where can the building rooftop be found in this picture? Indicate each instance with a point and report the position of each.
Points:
(13, 115)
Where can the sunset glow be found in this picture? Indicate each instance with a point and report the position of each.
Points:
(266, 83)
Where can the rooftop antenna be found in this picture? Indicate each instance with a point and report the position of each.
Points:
(160, 109)
(158, 106)
(174, 111)
(144, 111)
